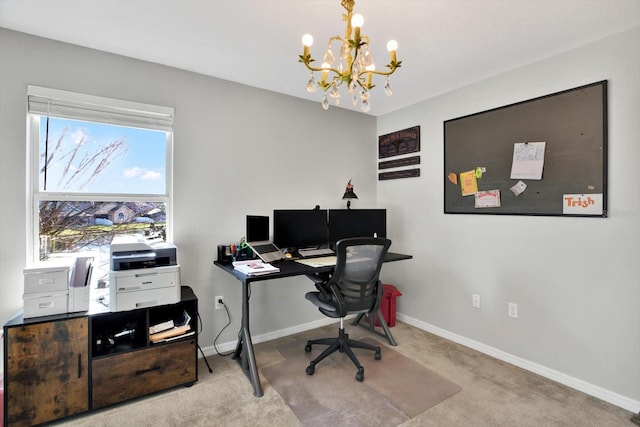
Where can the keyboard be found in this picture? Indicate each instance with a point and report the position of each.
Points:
(315, 252)
(324, 261)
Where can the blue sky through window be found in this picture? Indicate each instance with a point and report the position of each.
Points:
(90, 157)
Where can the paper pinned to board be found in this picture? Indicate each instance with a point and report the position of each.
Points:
(582, 204)
(468, 183)
(518, 188)
(528, 160)
(487, 199)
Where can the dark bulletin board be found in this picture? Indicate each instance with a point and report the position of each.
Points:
(572, 123)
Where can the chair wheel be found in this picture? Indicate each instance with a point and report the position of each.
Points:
(360, 374)
(310, 369)
(378, 355)
(307, 348)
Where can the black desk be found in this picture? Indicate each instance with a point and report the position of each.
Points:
(288, 268)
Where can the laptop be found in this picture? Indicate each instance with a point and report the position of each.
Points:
(258, 239)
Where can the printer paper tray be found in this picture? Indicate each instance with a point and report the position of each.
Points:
(131, 289)
(134, 300)
(144, 279)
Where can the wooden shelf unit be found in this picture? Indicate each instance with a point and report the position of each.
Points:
(64, 365)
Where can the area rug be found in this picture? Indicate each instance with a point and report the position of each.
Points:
(394, 389)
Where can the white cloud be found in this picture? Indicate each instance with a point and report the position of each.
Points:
(137, 172)
(151, 175)
(132, 172)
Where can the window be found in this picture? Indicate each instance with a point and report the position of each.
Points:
(98, 167)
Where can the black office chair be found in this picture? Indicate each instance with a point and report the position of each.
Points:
(353, 288)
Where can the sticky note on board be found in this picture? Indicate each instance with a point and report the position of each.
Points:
(468, 183)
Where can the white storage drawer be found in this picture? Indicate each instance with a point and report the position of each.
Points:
(45, 305)
(46, 279)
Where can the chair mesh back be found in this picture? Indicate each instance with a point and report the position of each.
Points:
(358, 276)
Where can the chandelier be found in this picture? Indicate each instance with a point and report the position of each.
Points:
(354, 67)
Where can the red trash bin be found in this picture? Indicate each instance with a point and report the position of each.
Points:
(388, 304)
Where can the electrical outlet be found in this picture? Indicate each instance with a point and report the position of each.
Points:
(513, 310)
(219, 302)
(475, 300)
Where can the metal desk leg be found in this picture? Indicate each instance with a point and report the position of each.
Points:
(387, 333)
(248, 360)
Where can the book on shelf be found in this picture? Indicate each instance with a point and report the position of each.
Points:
(254, 267)
(169, 330)
(161, 327)
(176, 331)
(188, 334)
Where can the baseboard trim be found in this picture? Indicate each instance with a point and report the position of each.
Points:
(575, 383)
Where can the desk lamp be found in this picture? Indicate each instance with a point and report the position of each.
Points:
(349, 194)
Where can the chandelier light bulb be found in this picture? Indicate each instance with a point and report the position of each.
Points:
(307, 40)
(357, 20)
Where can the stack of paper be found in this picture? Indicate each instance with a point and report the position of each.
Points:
(176, 331)
(254, 267)
(170, 330)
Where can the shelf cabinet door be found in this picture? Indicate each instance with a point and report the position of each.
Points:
(47, 371)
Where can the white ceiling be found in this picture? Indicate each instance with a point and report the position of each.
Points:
(443, 44)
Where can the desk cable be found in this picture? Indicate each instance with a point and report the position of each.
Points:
(200, 348)
(221, 330)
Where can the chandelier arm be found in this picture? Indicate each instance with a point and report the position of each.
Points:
(379, 73)
(320, 68)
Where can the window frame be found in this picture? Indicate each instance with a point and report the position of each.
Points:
(100, 108)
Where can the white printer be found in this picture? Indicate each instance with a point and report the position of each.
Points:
(143, 273)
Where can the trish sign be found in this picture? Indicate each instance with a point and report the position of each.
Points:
(582, 204)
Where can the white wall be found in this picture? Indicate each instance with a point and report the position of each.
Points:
(576, 280)
(222, 131)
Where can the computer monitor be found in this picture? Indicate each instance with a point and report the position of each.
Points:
(257, 228)
(299, 229)
(346, 223)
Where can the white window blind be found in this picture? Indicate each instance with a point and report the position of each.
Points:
(70, 105)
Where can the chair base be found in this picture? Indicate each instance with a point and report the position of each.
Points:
(344, 345)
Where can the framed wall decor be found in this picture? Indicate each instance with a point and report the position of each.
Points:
(400, 142)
